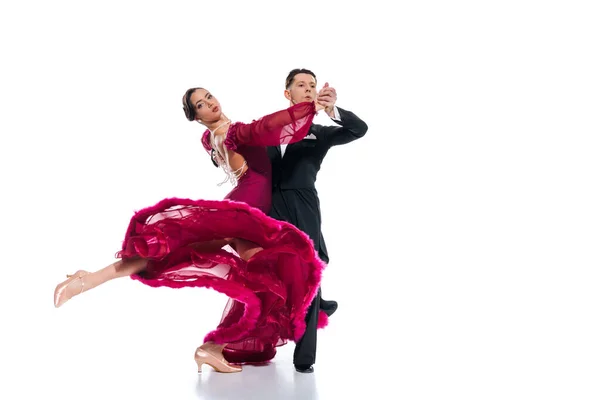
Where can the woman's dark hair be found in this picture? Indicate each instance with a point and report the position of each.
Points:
(188, 107)
(212, 158)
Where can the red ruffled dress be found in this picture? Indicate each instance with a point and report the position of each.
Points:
(270, 293)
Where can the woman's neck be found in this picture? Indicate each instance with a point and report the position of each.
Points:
(218, 123)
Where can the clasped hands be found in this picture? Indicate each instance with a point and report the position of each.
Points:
(326, 99)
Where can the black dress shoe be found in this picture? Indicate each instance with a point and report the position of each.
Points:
(328, 306)
(305, 369)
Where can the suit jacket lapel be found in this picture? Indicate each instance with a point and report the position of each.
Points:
(274, 151)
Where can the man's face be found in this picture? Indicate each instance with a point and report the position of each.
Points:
(303, 88)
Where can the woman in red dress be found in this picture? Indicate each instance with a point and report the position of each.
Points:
(267, 268)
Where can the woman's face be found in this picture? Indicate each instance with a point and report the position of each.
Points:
(208, 108)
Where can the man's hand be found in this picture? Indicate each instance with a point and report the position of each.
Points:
(327, 97)
(319, 106)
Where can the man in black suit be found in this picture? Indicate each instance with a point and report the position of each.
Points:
(295, 197)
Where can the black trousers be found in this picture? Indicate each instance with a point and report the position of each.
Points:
(301, 208)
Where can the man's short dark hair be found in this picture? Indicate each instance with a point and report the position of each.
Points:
(294, 72)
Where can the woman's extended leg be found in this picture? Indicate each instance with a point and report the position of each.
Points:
(82, 281)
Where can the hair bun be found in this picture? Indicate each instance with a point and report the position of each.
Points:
(188, 113)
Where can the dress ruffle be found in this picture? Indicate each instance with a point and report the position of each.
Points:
(270, 293)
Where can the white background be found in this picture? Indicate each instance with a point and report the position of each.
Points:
(463, 229)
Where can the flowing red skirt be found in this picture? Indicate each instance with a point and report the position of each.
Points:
(269, 294)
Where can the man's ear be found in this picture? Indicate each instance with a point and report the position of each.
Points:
(287, 94)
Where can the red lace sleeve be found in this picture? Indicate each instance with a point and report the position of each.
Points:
(282, 127)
